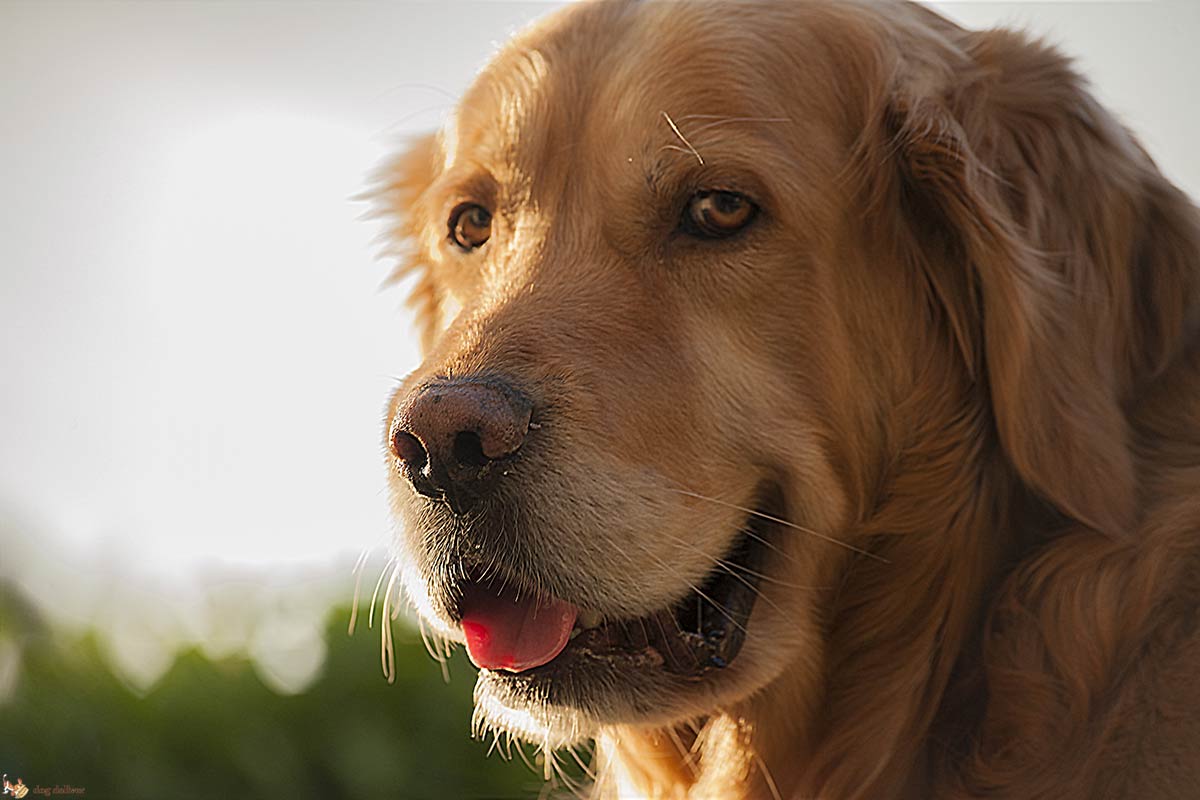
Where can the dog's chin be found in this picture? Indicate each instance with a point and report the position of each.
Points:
(673, 664)
(570, 710)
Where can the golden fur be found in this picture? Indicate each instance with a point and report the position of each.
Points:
(961, 337)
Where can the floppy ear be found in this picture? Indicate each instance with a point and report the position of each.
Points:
(399, 187)
(1166, 284)
(1017, 272)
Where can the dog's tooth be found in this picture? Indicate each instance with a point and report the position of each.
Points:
(590, 619)
(575, 632)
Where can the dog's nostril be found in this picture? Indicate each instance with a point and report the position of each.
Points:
(409, 449)
(447, 433)
(468, 450)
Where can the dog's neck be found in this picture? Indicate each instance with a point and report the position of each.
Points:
(724, 755)
(721, 756)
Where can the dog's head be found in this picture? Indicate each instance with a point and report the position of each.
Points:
(692, 279)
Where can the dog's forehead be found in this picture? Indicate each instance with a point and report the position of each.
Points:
(644, 79)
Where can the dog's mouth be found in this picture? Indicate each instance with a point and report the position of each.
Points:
(538, 636)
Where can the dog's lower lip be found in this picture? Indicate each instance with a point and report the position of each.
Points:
(702, 632)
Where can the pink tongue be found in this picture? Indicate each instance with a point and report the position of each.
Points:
(504, 632)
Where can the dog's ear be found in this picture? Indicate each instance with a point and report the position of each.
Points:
(1166, 287)
(397, 197)
(1026, 271)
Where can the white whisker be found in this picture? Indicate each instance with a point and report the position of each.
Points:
(579, 760)
(429, 647)
(521, 752)
(358, 573)
(375, 594)
(675, 128)
(675, 148)
(766, 773)
(768, 579)
(724, 612)
(727, 120)
(387, 645)
(726, 566)
(688, 117)
(685, 752)
(784, 522)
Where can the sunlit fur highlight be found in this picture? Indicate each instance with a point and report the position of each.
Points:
(963, 340)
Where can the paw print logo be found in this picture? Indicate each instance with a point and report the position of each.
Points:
(17, 790)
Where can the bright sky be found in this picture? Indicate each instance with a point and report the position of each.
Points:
(193, 348)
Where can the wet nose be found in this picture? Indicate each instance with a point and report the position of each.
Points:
(447, 437)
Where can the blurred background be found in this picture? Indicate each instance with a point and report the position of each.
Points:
(194, 356)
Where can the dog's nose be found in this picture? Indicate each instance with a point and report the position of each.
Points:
(448, 435)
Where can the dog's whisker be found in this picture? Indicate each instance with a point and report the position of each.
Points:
(728, 120)
(388, 653)
(770, 545)
(550, 773)
(438, 649)
(726, 566)
(675, 128)
(674, 148)
(642, 624)
(665, 634)
(732, 570)
(749, 533)
(399, 124)
(556, 767)
(375, 594)
(429, 647)
(359, 565)
(786, 523)
(724, 611)
(675, 573)
(689, 117)
(686, 755)
(695, 727)
(447, 647)
(420, 85)
(387, 646)
(394, 590)
(744, 570)
(767, 778)
(521, 752)
(776, 581)
(585, 766)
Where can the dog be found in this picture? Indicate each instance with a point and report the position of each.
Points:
(810, 408)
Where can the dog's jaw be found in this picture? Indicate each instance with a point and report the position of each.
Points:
(498, 711)
(634, 689)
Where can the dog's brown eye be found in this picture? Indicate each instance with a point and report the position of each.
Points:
(717, 214)
(470, 226)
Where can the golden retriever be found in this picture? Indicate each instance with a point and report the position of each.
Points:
(810, 409)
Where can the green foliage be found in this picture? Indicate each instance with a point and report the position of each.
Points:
(213, 729)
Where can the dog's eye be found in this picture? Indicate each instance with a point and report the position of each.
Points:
(717, 214)
(470, 226)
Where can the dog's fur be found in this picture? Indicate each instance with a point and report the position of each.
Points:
(961, 337)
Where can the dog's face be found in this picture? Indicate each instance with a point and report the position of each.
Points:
(634, 247)
(661, 349)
